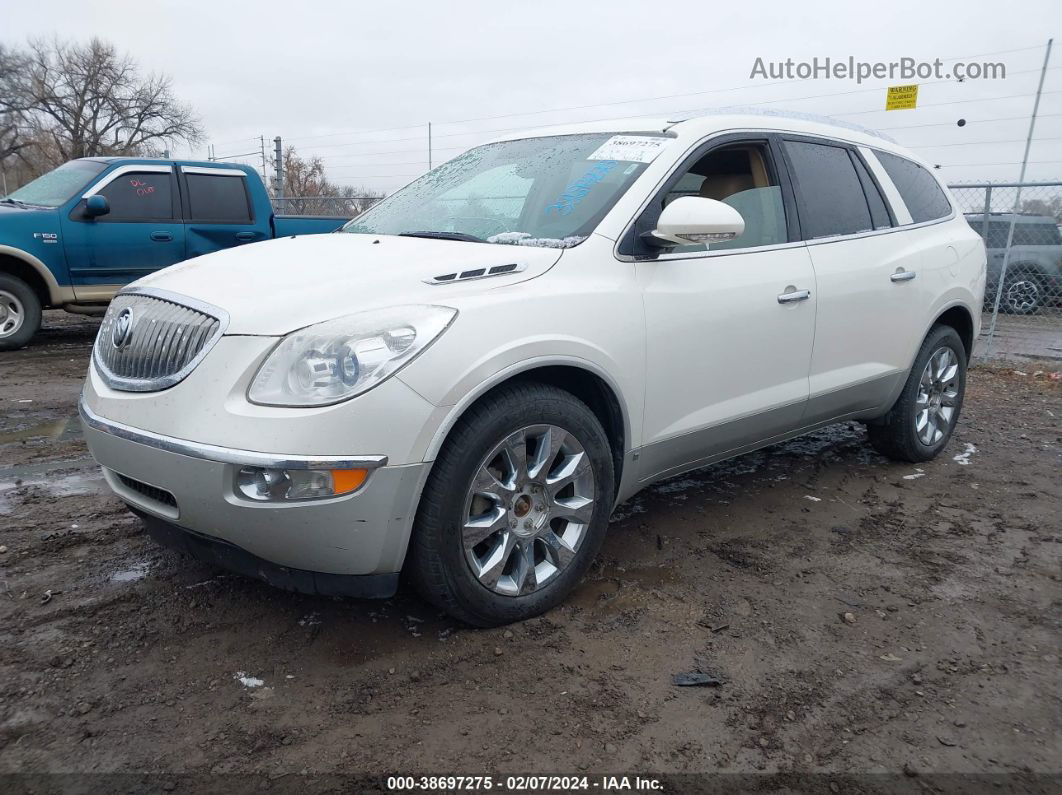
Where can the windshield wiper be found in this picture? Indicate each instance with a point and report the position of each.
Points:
(16, 202)
(445, 236)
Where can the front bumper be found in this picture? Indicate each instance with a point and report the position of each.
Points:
(192, 487)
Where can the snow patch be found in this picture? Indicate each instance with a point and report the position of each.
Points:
(525, 239)
(918, 473)
(247, 681)
(813, 499)
(963, 458)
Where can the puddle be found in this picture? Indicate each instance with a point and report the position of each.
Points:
(71, 485)
(136, 572)
(55, 430)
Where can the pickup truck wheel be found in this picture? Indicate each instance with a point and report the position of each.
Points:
(919, 425)
(20, 313)
(516, 507)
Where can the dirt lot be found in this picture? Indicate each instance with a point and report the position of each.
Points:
(863, 616)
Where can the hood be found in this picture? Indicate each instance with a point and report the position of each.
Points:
(12, 216)
(30, 229)
(275, 287)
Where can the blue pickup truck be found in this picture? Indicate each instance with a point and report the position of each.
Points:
(74, 236)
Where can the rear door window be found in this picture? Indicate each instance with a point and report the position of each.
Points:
(218, 198)
(139, 196)
(830, 196)
(921, 193)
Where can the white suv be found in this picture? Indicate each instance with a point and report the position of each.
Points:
(463, 382)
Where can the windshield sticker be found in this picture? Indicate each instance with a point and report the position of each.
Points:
(630, 148)
(578, 190)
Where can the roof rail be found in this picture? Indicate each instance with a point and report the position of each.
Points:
(786, 114)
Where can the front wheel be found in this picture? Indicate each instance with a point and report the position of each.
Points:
(1023, 294)
(20, 313)
(920, 423)
(515, 508)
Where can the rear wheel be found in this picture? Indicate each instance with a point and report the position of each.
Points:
(20, 313)
(516, 507)
(920, 423)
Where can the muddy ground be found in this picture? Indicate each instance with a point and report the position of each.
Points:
(863, 616)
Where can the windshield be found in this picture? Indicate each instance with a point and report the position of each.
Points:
(550, 191)
(56, 187)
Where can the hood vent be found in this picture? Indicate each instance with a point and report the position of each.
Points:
(476, 273)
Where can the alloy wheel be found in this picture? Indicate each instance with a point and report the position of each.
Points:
(1022, 296)
(528, 509)
(938, 396)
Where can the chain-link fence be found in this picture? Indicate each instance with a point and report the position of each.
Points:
(1023, 301)
(338, 206)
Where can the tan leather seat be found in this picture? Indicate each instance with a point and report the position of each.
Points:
(720, 186)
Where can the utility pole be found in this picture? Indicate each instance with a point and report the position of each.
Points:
(1017, 198)
(265, 168)
(429, 146)
(279, 154)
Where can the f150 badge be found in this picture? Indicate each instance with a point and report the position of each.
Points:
(46, 237)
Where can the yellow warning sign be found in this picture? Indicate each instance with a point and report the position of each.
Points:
(901, 97)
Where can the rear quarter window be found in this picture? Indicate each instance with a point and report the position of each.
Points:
(920, 191)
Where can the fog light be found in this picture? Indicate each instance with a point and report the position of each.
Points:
(278, 485)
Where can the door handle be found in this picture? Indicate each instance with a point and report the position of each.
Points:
(161, 237)
(794, 295)
(903, 276)
(245, 235)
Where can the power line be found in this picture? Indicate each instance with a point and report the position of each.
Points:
(745, 86)
(977, 143)
(969, 121)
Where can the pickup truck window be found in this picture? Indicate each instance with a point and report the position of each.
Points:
(550, 191)
(218, 198)
(139, 196)
(59, 185)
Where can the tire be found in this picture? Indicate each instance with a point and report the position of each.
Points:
(470, 485)
(20, 313)
(900, 435)
(1023, 293)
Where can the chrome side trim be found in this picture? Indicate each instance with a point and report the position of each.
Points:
(816, 242)
(112, 176)
(224, 455)
(212, 172)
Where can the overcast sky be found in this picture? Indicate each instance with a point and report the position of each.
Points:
(327, 76)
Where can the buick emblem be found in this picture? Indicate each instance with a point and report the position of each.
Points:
(122, 332)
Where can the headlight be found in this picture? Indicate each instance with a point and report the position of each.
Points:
(336, 360)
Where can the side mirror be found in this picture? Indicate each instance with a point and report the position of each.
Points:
(692, 219)
(96, 205)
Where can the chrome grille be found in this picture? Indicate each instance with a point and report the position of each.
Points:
(150, 340)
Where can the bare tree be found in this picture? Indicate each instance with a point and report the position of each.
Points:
(13, 138)
(82, 100)
(314, 194)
